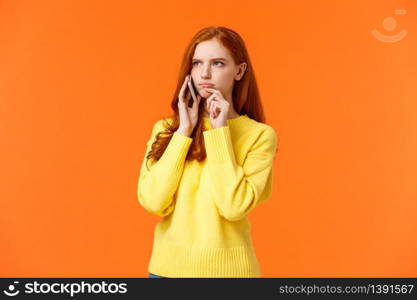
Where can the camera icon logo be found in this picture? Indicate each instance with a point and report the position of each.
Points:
(389, 24)
(11, 289)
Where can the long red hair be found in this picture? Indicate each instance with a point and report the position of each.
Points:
(246, 99)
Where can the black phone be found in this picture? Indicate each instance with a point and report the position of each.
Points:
(193, 90)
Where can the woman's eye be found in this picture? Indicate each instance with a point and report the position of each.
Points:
(214, 62)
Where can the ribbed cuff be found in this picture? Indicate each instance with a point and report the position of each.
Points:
(176, 151)
(219, 146)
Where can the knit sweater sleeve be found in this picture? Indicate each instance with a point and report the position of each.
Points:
(158, 181)
(238, 189)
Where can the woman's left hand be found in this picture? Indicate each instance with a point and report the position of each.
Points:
(218, 107)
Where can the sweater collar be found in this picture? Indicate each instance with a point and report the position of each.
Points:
(231, 122)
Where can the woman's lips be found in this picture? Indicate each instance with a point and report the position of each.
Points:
(206, 85)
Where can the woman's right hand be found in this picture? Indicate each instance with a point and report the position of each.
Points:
(188, 115)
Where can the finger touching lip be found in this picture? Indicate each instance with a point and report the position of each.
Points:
(210, 90)
(206, 91)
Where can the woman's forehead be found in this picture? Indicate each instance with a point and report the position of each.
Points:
(210, 49)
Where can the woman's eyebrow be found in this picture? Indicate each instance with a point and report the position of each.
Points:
(216, 58)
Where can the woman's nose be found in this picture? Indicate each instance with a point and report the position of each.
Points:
(206, 72)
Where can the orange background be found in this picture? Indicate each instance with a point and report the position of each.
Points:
(83, 82)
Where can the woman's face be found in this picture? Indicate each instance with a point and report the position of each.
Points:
(213, 64)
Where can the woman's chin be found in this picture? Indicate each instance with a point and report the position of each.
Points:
(205, 94)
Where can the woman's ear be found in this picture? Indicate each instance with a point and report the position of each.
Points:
(241, 71)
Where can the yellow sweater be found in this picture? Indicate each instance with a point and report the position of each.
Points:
(205, 231)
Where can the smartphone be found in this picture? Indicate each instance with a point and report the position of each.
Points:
(192, 91)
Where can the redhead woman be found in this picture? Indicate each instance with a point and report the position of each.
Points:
(208, 165)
